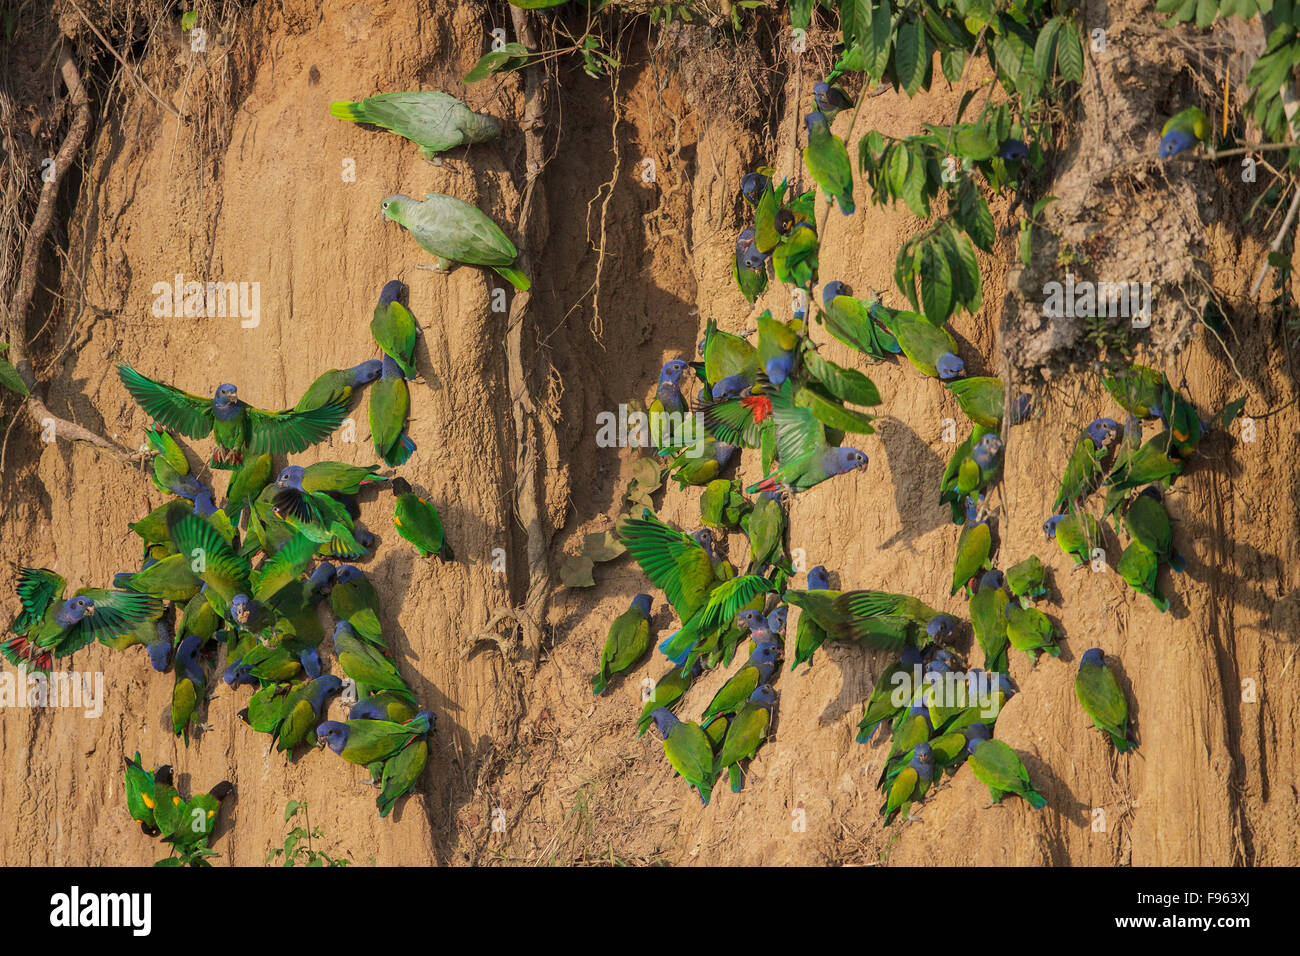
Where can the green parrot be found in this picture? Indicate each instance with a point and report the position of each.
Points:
(974, 545)
(775, 219)
(302, 710)
(998, 767)
(393, 329)
(827, 162)
(390, 406)
(190, 687)
(810, 635)
(801, 447)
(454, 231)
(139, 785)
(980, 398)
(726, 355)
(988, 619)
(416, 520)
(433, 120)
(795, 260)
(50, 627)
(745, 734)
(749, 267)
(732, 695)
(338, 384)
(1027, 580)
(1147, 465)
(355, 600)
(701, 588)
(963, 476)
(627, 640)
(235, 425)
(722, 505)
(246, 483)
(883, 706)
(1076, 534)
(922, 342)
(337, 477)
(265, 710)
(1102, 699)
(398, 709)
(153, 528)
(778, 344)
(850, 320)
(1139, 566)
(367, 741)
(1184, 423)
(1148, 522)
(1181, 131)
(400, 773)
(1031, 631)
(688, 750)
(1082, 475)
(765, 527)
(910, 785)
(1137, 389)
(196, 819)
(366, 664)
(878, 619)
(668, 690)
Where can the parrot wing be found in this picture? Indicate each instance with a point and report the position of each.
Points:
(191, 415)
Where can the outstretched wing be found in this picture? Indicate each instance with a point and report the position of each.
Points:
(211, 557)
(674, 562)
(116, 614)
(798, 432)
(37, 589)
(191, 415)
(738, 420)
(289, 432)
(284, 567)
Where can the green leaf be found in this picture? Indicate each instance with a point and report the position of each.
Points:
(1045, 48)
(1231, 411)
(188, 19)
(832, 414)
(965, 270)
(909, 55)
(846, 384)
(1069, 54)
(497, 61)
(290, 809)
(936, 282)
(1206, 11)
(877, 50)
(971, 212)
(11, 380)
(1042, 204)
(855, 19)
(602, 546)
(576, 571)
(952, 62)
(1026, 241)
(914, 183)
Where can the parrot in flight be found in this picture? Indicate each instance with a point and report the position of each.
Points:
(234, 424)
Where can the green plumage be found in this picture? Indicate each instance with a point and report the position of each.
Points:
(627, 640)
(417, 520)
(393, 329)
(745, 734)
(974, 545)
(1027, 580)
(434, 120)
(1102, 699)
(372, 740)
(1139, 566)
(1031, 631)
(668, 690)
(689, 752)
(369, 666)
(827, 161)
(988, 620)
(999, 768)
(455, 231)
(400, 774)
(981, 399)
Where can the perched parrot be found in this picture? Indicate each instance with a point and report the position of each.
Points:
(236, 426)
(1148, 522)
(998, 767)
(1102, 699)
(366, 664)
(777, 343)
(1083, 470)
(1182, 131)
(795, 260)
(731, 695)
(981, 399)
(417, 521)
(302, 711)
(1027, 580)
(827, 162)
(50, 627)
(171, 472)
(355, 600)
(753, 185)
(749, 267)
(850, 321)
(1139, 390)
(338, 384)
(975, 465)
(713, 456)
(688, 750)
(988, 619)
(765, 526)
(247, 482)
(877, 619)
(810, 635)
(196, 818)
(383, 706)
(190, 687)
(668, 690)
(400, 773)
(139, 784)
(433, 120)
(925, 344)
(745, 734)
(1148, 464)
(366, 741)
(454, 231)
(627, 640)
(393, 328)
(974, 545)
(911, 784)
(1031, 631)
(1139, 566)
(830, 99)
(1076, 534)
(390, 405)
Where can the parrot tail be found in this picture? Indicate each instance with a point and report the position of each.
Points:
(347, 110)
(599, 682)
(1160, 601)
(514, 277)
(400, 452)
(767, 484)
(1177, 563)
(733, 773)
(1034, 798)
(1122, 744)
(846, 204)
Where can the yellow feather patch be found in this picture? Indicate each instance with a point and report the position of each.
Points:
(397, 521)
(176, 801)
(147, 802)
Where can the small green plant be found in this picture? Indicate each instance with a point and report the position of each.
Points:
(298, 849)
